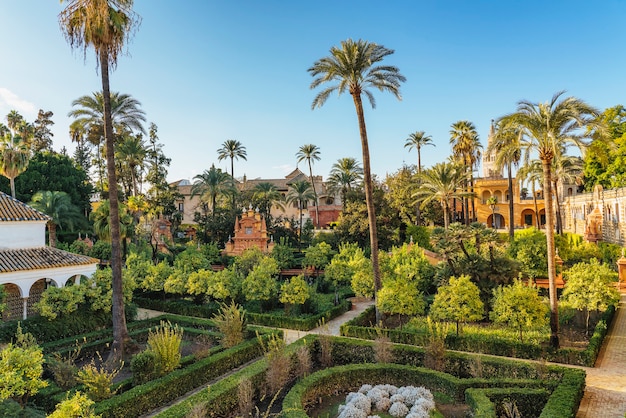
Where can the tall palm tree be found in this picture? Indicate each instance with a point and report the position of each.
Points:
(211, 184)
(101, 218)
(59, 206)
(105, 25)
(234, 150)
(345, 174)
(466, 148)
(418, 140)
(355, 67)
(442, 183)
(548, 128)
(14, 155)
(506, 144)
(310, 153)
(266, 195)
(300, 192)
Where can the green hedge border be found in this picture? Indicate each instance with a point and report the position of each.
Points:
(268, 320)
(494, 346)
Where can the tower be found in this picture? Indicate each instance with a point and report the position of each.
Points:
(489, 160)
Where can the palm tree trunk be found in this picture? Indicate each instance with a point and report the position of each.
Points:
(369, 199)
(511, 204)
(418, 213)
(52, 234)
(472, 191)
(554, 311)
(120, 331)
(317, 213)
(12, 181)
(557, 209)
(446, 215)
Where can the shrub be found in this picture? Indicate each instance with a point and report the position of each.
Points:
(231, 322)
(78, 406)
(143, 367)
(97, 380)
(245, 393)
(165, 343)
(63, 369)
(278, 364)
(436, 348)
(304, 362)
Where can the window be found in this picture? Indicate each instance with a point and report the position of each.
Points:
(248, 230)
(181, 207)
(330, 201)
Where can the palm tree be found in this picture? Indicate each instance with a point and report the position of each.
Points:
(101, 218)
(300, 192)
(211, 184)
(418, 140)
(266, 196)
(506, 145)
(14, 155)
(566, 169)
(310, 153)
(466, 148)
(234, 150)
(132, 151)
(105, 25)
(355, 67)
(548, 128)
(492, 202)
(442, 182)
(59, 207)
(532, 172)
(345, 174)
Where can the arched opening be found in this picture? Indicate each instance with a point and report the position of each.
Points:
(498, 195)
(485, 196)
(34, 296)
(542, 217)
(496, 221)
(528, 218)
(13, 301)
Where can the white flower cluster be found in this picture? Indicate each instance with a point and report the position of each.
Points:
(403, 402)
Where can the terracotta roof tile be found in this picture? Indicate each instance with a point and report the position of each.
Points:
(14, 210)
(40, 258)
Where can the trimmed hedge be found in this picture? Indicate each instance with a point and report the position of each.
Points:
(485, 402)
(269, 320)
(494, 346)
(147, 397)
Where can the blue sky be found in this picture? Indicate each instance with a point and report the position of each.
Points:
(206, 71)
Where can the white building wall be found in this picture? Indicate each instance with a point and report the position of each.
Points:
(22, 234)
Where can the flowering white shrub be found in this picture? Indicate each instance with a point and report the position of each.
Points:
(398, 409)
(404, 402)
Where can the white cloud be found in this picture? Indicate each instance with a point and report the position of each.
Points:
(11, 101)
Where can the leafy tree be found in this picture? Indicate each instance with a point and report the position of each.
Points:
(590, 287)
(225, 285)
(132, 153)
(42, 135)
(260, 284)
(354, 67)
(317, 256)
(161, 195)
(529, 249)
(458, 301)
(548, 128)
(189, 261)
(156, 277)
(283, 254)
(21, 367)
(407, 264)
(248, 260)
(14, 151)
(265, 196)
(362, 279)
(311, 153)
(59, 207)
(60, 301)
(294, 292)
(53, 171)
(105, 26)
(519, 306)
(338, 272)
(399, 297)
(102, 226)
(400, 186)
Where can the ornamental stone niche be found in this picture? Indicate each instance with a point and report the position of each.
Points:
(250, 231)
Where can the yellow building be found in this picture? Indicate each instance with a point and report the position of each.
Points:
(494, 184)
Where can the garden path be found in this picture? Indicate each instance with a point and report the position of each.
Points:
(605, 394)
